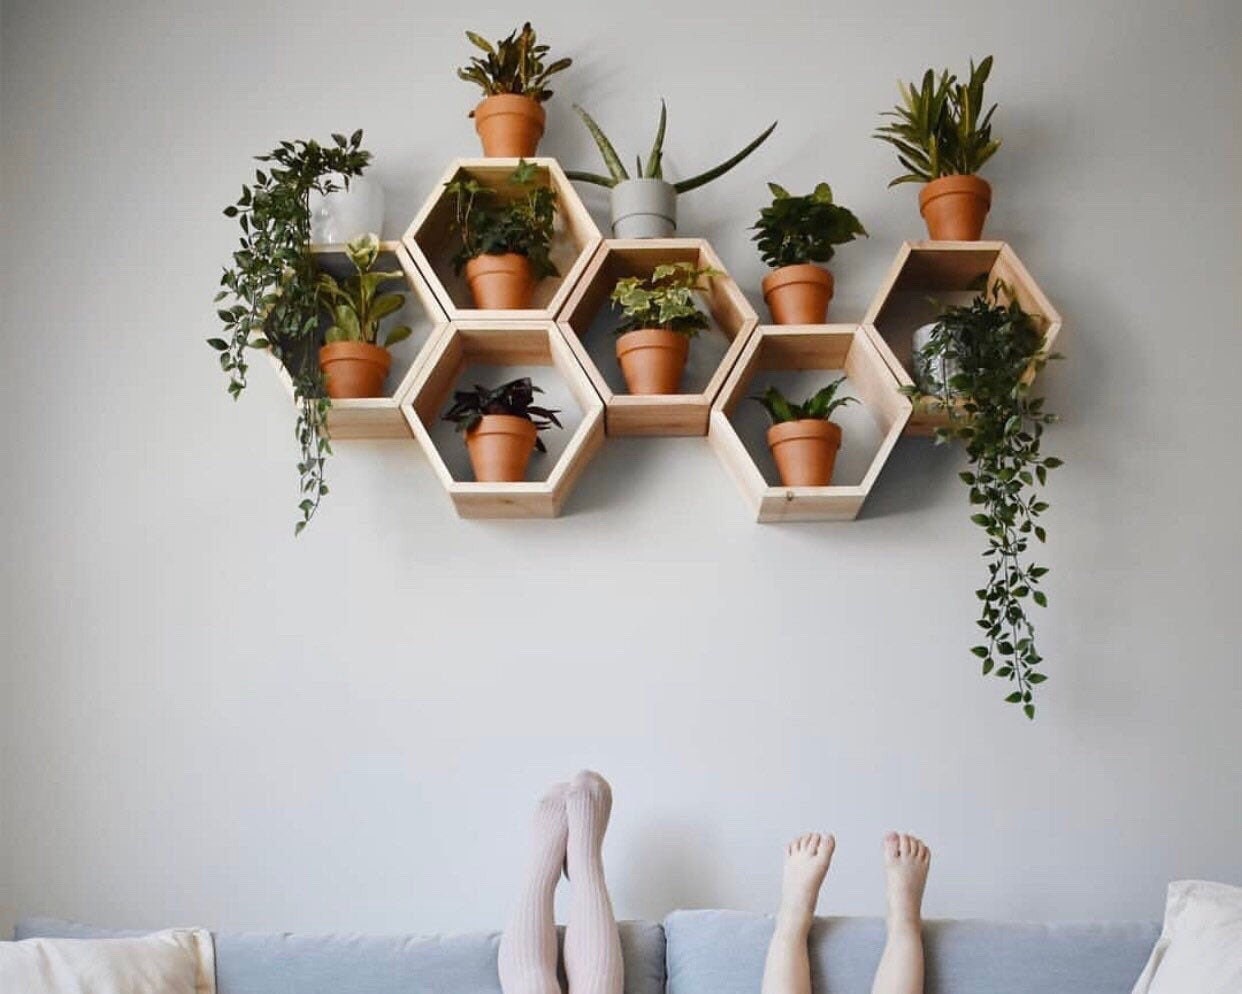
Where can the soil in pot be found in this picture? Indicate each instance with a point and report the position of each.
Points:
(500, 446)
(652, 360)
(500, 282)
(644, 208)
(509, 125)
(805, 451)
(955, 207)
(354, 369)
(798, 294)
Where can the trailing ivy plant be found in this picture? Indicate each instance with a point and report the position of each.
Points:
(512, 65)
(273, 286)
(354, 306)
(665, 299)
(820, 406)
(492, 223)
(795, 230)
(515, 398)
(992, 344)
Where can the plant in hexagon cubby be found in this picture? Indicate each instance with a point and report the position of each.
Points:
(590, 320)
(800, 360)
(927, 276)
(491, 355)
(435, 238)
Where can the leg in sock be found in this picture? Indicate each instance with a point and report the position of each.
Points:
(788, 967)
(906, 862)
(527, 959)
(592, 943)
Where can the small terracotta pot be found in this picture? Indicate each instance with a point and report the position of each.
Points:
(500, 282)
(652, 359)
(955, 207)
(798, 294)
(354, 369)
(805, 451)
(510, 125)
(500, 446)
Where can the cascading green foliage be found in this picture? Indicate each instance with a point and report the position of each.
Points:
(818, 407)
(515, 398)
(795, 230)
(654, 169)
(994, 345)
(512, 65)
(665, 299)
(356, 307)
(493, 222)
(937, 128)
(275, 292)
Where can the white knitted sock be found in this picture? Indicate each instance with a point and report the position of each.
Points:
(592, 943)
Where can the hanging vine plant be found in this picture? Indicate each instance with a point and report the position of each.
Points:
(272, 284)
(987, 349)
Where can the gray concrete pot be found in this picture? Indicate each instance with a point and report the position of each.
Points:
(644, 208)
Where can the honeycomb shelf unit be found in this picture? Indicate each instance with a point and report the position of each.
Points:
(381, 417)
(487, 353)
(588, 321)
(432, 241)
(793, 357)
(927, 274)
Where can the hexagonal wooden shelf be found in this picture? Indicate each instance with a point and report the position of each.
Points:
(589, 320)
(432, 241)
(793, 358)
(926, 275)
(381, 417)
(490, 354)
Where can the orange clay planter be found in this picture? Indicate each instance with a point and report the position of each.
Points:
(500, 446)
(501, 282)
(354, 369)
(798, 294)
(652, 360)
(509, 125)
(805, 451)
(955, 207)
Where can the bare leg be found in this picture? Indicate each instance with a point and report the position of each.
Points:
(592, 943)
(527, 959)
(788, 967)
(906, 862)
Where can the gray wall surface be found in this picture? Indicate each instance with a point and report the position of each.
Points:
(205, 721)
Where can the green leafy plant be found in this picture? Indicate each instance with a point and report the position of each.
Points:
(818, 407)
(356, 308)
(492, 222)
(654, 169)
(274, 288)
(937, 128)
(515, 398)
(794, 230)
(512, 65)
(665, 299)
(994, 347)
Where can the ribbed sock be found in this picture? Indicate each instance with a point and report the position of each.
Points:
(592, 943)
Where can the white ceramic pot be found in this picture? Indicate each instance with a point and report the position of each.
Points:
(644, 208)
(931, 374)
(345, 214)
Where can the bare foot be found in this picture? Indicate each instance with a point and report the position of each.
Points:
(906, 862)
(806, 863)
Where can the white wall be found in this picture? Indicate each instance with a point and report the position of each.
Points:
(205, 720)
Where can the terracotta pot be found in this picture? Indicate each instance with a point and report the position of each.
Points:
(798, 294)
(500, 282)
(955, 207)
(500, 446)
(805, 451)
(354, 369)
(509, 125)
(652, 359)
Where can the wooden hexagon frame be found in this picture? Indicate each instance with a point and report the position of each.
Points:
(538, 343)
(378, 417)
(850, 348)
(431, 242)
(672, 414)
(926, 270)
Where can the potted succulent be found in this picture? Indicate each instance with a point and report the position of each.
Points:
(943, 137)
(803, 438)
(510, 118)
(502, 426)
(354, 364)
(645, 205)
(659, 316)
(505, 240)
(990, 348)
(794, 233)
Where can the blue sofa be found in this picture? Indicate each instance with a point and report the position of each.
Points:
(693, 952)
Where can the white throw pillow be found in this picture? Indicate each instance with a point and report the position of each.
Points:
(178, 961)
(1200, 947)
